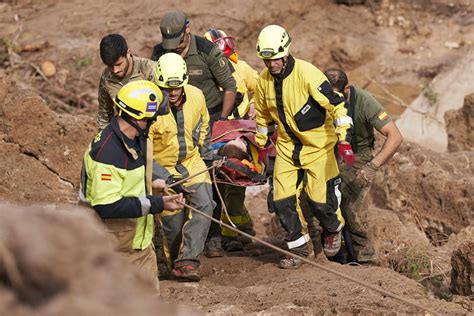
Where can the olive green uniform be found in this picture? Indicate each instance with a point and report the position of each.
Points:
(367, 114)
(208, 70)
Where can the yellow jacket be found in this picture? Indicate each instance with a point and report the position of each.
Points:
(246, 78)
(178, 137)
(306, 110)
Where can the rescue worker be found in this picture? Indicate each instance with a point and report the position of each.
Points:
(245, 76)
(122, 67)
(113, 176)
(207, 66)
(311, 119)
(178, 138)
(367, 113)
(234, 196)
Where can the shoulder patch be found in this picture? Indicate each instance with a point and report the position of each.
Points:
(383, 115)
(98, 136)
(222, 62)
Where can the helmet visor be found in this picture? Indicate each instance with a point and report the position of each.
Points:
(226, 45)
(174, 83)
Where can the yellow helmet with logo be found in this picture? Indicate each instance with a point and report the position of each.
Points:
(273, 42)
(170, 71)
(141, 100)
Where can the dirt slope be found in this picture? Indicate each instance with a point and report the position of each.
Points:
(40, 150)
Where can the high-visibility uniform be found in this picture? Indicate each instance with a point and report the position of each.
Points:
(177, 139)
(311, 118)
(113, 184)
(246, 79)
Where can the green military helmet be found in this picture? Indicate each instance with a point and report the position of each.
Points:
(170, 71)
(273, 42)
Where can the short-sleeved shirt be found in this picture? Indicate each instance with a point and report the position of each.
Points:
(368, 114)
(208, 70)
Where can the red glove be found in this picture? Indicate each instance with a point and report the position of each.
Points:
(345, 154)
(262, 155)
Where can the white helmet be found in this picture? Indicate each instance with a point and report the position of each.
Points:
(170, 71)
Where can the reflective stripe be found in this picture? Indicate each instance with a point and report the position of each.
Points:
(146, 204)
(343, 120)
(262, 130)
(338, 195)
(181, 134)
(298, 242)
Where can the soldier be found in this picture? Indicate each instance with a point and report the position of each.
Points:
(207, 66)
(366, 114)
(122, 67)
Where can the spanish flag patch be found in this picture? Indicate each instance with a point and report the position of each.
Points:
(383, 115)
(106, 177)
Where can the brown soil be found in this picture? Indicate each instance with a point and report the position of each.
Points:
(459, 125)
(422, 201)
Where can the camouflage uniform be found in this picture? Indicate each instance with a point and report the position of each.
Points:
(109, 86)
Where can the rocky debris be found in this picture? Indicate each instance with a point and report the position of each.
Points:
(462, 273)
(460, 125)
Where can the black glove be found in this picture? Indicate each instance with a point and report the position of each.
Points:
(178, 188)
(156, 204)
(223, 118)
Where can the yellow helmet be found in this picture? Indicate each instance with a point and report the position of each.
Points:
(170, 71)
(273, 42)
(141, 100)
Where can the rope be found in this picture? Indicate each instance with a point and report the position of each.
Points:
(215, 164)
(223, 207)
(342, 275)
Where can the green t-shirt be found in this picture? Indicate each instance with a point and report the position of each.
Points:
(369, 114)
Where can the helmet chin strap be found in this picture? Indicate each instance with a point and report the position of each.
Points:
(142, 132)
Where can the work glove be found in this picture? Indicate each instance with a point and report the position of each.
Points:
(345, 154)
(366, 175)
(178, 188)
(156, 202)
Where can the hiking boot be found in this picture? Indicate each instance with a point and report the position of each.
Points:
(186, 274)
(290, 262)
(213, 248)
(232, 244)
(332, 244)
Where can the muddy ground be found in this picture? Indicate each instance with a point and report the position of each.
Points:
(421, 204)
